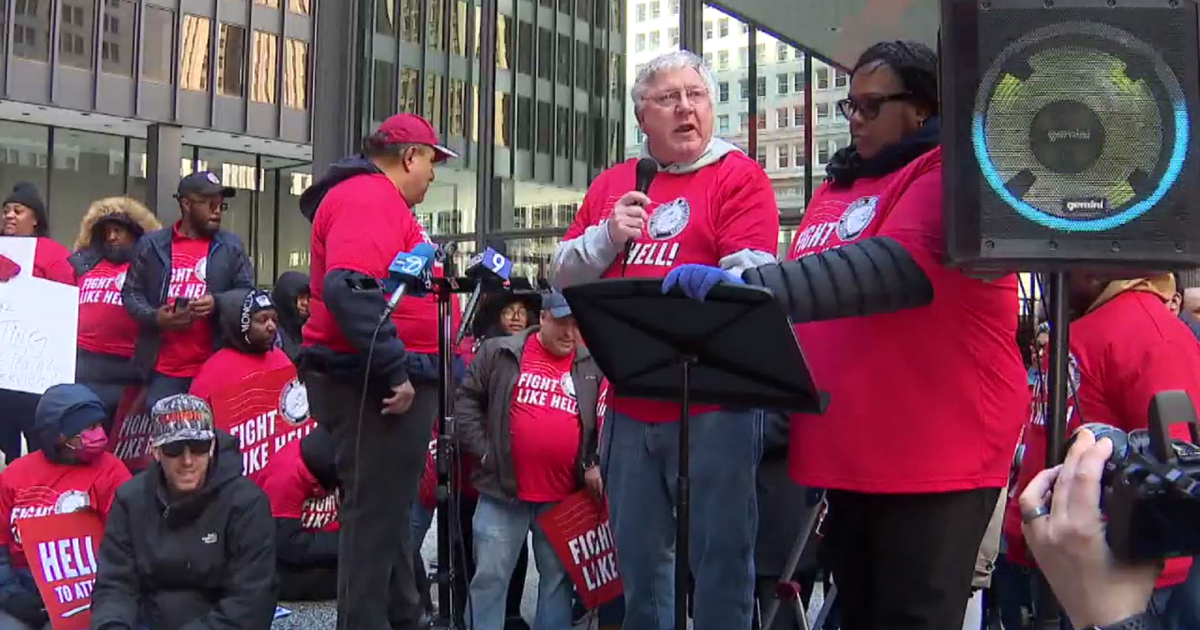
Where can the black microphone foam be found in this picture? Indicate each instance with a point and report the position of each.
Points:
(647, 169)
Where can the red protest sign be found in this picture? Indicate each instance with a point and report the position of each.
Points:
(578, 530)
(264, 412)
(130, 437)
(62, 551)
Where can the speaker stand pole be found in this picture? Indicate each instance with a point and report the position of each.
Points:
(448, 600)
(1058, 388)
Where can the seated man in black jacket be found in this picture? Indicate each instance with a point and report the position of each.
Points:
(189, 542)
(301, 482)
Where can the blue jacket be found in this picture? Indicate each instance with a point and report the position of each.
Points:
(149, 276)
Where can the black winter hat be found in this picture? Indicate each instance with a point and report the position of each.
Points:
(27, 195)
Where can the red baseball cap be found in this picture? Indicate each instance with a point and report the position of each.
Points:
(405, 128)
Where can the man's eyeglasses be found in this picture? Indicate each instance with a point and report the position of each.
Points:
(868, 106)
(675, 97)
(195, 447)
(212, 203)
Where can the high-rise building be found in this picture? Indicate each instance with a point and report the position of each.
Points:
(748, 65)
(122, 97)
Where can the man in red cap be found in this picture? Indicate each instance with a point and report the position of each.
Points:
(362, 217)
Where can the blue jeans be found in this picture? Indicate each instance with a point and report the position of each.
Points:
(640, 465)
(500, 530)
(162, 386)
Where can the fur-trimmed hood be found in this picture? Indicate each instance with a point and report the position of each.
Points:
(109, 206)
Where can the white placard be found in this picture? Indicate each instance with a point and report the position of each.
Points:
(39, 321)
(20, 249)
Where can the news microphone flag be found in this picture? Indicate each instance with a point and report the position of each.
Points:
(411, 272)
(486, 267)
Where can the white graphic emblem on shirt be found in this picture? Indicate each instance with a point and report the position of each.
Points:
(201, 269)
(1073, 374)
(856, 218)
(568, 384)
(209, 538)
(71, 501)
(669, 219)
(293, 402)
(119, 281)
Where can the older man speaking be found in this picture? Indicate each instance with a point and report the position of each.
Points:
(709, 204)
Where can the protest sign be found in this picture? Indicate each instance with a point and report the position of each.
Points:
(38, 324)
(62, 551)
(21, 250)
(264, 412)
(578, 530)
(130, 438)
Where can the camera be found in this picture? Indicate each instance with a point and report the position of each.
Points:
(1150, 489)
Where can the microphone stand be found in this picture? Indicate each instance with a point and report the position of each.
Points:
(447, 509)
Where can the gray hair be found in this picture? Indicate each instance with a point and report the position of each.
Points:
(676, 60)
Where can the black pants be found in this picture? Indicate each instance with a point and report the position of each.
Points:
(18, 411)
(379, 463)
(905, 561)
(311, 584)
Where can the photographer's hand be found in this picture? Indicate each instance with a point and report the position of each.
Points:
(1069, 544)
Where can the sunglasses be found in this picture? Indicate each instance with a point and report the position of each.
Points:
(195, 447)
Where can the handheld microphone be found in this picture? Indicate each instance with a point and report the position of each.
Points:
(411, 270)
(489, 267)
(647, 170)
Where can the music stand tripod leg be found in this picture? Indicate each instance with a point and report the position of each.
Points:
(789, 569)
(826, 606)
(682, 504)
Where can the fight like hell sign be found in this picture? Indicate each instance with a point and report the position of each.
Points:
(264, 412)
(578, 530)
(130, 440)
(62, 551)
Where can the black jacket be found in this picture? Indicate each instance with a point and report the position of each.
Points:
(150, 273)
(288, 287)
(203, 562)
(481, 410)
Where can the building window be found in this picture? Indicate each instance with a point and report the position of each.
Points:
(743, 121)
(564, 59)
(822, 152)
(822, 78)
(158, 42)
(744, 88)
(781, 52)
(31, 33)
(435, 86)
(300, 6)
(761, 85)
(798, 82)
(782, 155)
(543, 127)
(723, 123)
(762, 156)
(383, 90)
(433, 24)
(797, 116)
(193, 60)
(639, 42)
(655, 40)
(722, 60)
(581, 129)
(840, 79)
(410, 21)
(745, 27)
(783, 82)
(723, 27)
(674, 5)
(75, 34)
(545, 56)
(274, 4)
(782, 117)
(385, 17)
(639, 136)
(723, 92)
(86, 167)
(799, 155)
(673, 35)
(708, 29)
(116, 48)
(822, 111)
(708, 59)
(760, 53)
(524, 123)
(458, 108)
(295, 74)
(525, 47)
(655, 9)
(582, 67)
(562, 139)
(410, 80)
(760, 120)
(641, 12)
(231, 64)
(262, 67)
(504, 42)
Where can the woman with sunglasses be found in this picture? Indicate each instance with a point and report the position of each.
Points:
(190, 542)
(927, 387)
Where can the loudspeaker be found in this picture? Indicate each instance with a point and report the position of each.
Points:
(1067, 133)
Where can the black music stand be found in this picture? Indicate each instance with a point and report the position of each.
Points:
(735, 349)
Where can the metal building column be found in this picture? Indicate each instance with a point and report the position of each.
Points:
(343, 63)
(164, 155)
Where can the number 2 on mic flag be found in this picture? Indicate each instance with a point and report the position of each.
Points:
(62, 551)
(578, 530)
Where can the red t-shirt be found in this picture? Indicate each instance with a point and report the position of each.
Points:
(104, 324)
(34, 486)
(922, 400)
(695, 218)
(229, 366)
(544, 425)
(361, 224)
(184, 351)
(295, 493)
(50, 261)
(1122, 354)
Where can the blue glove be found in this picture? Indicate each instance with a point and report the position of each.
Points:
(697, 280)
